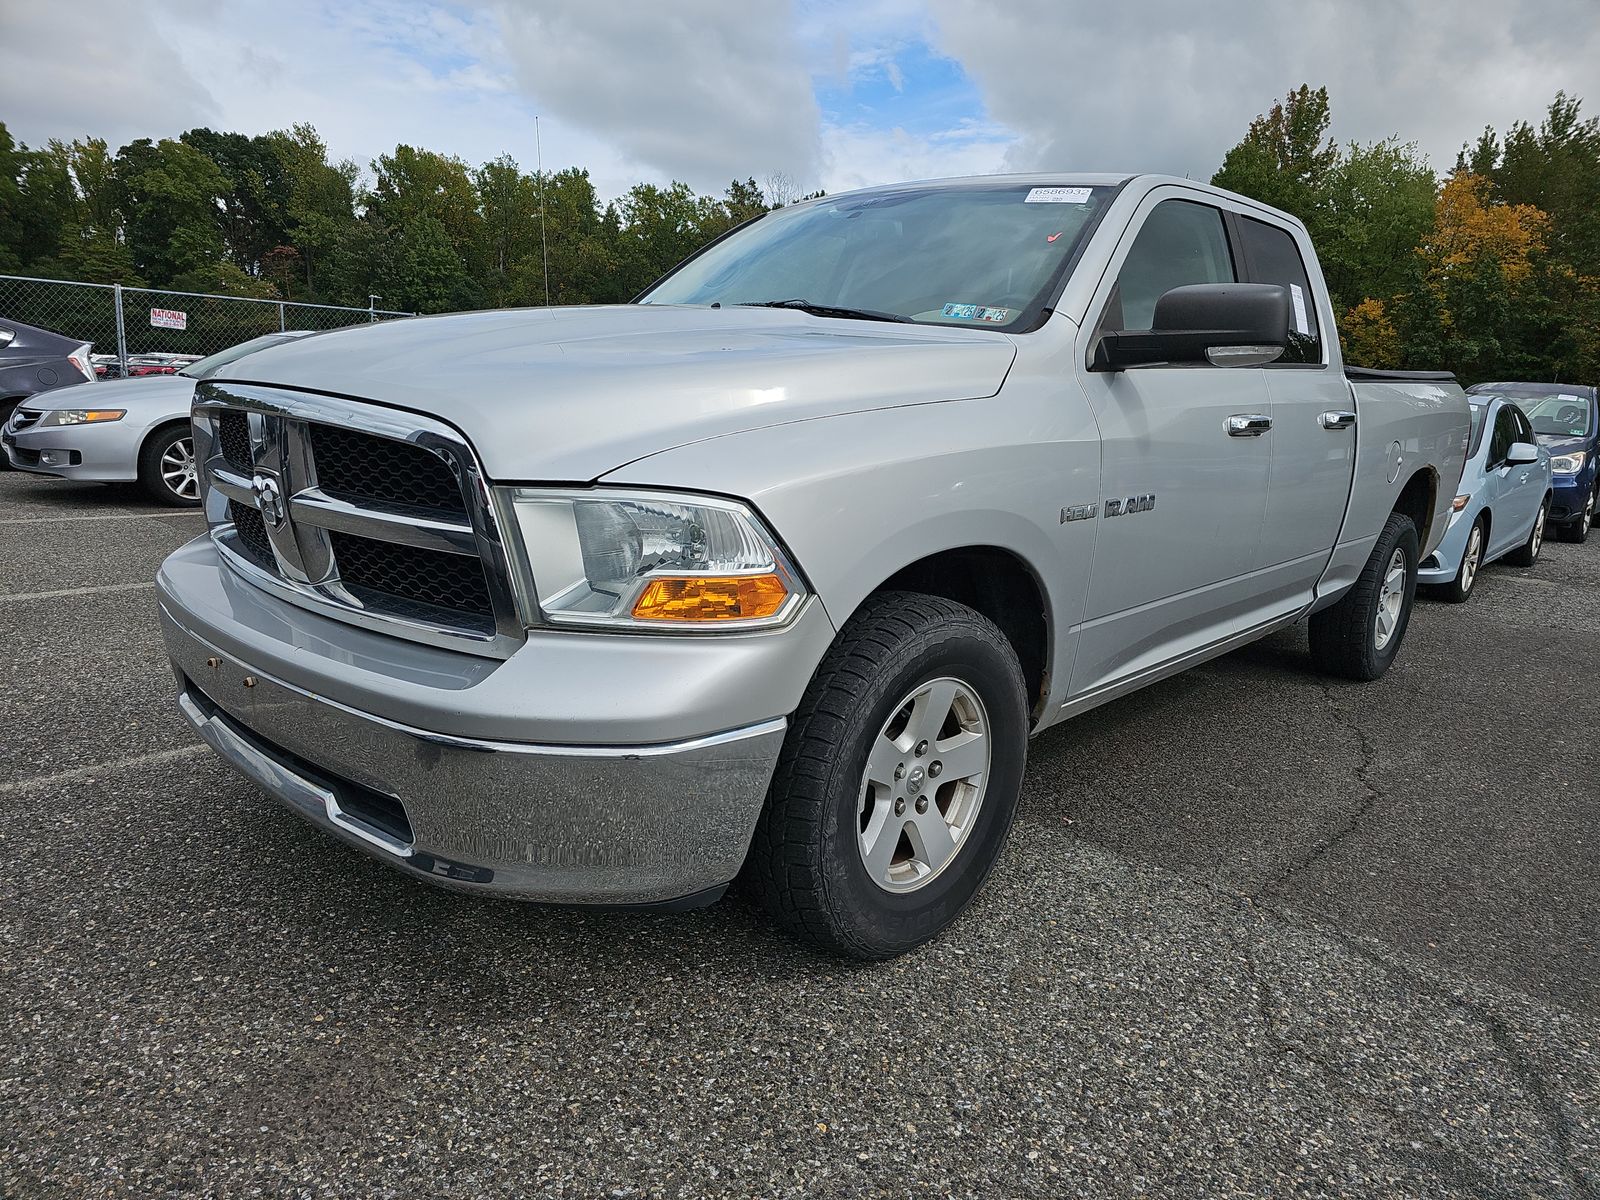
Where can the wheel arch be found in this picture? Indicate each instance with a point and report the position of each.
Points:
(1004, 587)
(1419, 500)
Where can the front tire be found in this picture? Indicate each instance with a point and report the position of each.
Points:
(1459, 588)
(167, 468)
(898, 780)
(1527, 554)
(1360, 636)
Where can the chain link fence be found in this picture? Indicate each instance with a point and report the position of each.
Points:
(129, 323)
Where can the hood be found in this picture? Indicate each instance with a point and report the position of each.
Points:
(1562, 443)
(146, 394)
(567, 394)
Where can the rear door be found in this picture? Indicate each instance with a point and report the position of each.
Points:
(1313, 424)
(1181, 500)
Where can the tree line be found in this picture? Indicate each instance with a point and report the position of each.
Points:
(1491, 271)
(272, 217)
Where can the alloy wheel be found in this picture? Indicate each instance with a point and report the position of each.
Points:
(1391, 599)
(1473, 559)
(178, 472)
(924, 783)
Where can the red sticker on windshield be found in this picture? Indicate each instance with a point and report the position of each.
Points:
(1052, 237)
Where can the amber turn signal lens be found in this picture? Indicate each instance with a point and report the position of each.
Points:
(1459, 503)
(711, 598)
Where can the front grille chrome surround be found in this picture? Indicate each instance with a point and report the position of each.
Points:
(402, 493)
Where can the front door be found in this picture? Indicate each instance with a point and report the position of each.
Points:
(1182, 499)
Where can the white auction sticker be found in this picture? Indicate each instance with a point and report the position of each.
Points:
(1058, 195)
(1302, 321)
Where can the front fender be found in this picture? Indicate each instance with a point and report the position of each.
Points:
(858, 497)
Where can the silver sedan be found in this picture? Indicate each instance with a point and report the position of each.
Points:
(121, 430)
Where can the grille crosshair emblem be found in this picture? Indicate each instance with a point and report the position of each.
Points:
(269, 499)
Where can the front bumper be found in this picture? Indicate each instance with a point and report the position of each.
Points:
(1569, 496)
(103, 453)
(561, 821)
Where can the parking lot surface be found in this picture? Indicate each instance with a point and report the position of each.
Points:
(1256, 933)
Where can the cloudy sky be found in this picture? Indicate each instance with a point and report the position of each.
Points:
(833, 93)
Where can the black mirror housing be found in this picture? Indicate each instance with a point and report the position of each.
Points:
(1223, 324)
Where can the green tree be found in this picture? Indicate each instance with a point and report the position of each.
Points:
(320, 204)
(171, 197)
(1376, 206)
(1286, 156)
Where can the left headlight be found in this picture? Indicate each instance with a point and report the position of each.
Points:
(650, 561)
(80, 416)
(1567, 464)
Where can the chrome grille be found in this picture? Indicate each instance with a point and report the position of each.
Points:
(372, 516)
(24, 418)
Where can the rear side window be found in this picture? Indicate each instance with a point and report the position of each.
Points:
(1272, 257)
(1180, 243)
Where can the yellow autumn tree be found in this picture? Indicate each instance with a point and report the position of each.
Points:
(1370, 337)
(1469, 230)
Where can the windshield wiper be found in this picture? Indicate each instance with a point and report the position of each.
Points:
(828, 310)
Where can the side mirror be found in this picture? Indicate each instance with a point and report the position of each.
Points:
(1223, 324)
(1522, 453)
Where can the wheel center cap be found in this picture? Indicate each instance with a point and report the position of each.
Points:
(914, 781)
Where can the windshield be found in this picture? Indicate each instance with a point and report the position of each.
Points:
(204, 367)
(1562, 414)
(980, 255)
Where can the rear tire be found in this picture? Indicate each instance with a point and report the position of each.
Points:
(167, 469)
(1527, 554)
(1459, 588)
(850, 853)
(1360, 636)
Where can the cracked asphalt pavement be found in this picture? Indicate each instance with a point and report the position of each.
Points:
(1256, 934)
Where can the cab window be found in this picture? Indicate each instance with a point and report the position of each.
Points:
(1273, 257)
(1180, 243)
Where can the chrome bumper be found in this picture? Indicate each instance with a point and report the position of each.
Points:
(566, 824)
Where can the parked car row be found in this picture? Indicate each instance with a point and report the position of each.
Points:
(121, 430)
(1530, 471)
(109, 366)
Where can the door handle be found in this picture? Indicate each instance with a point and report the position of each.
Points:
(1248, 424)
(1337, 419)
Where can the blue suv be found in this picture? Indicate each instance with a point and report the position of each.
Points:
(1566, 420)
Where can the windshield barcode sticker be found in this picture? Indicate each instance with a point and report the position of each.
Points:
(1058, 195)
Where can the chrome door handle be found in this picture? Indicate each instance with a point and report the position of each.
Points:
(1337, 419)
(1248, 424)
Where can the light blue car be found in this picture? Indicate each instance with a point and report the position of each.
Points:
(1501, 505)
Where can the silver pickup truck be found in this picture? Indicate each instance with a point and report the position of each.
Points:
(774, 572)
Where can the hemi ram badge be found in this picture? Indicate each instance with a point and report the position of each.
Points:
(1133, 504)
(1078, 512)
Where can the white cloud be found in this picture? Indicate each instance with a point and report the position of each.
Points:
(61, 76)
(1159, 85)
(857, 156)
(701, 90)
